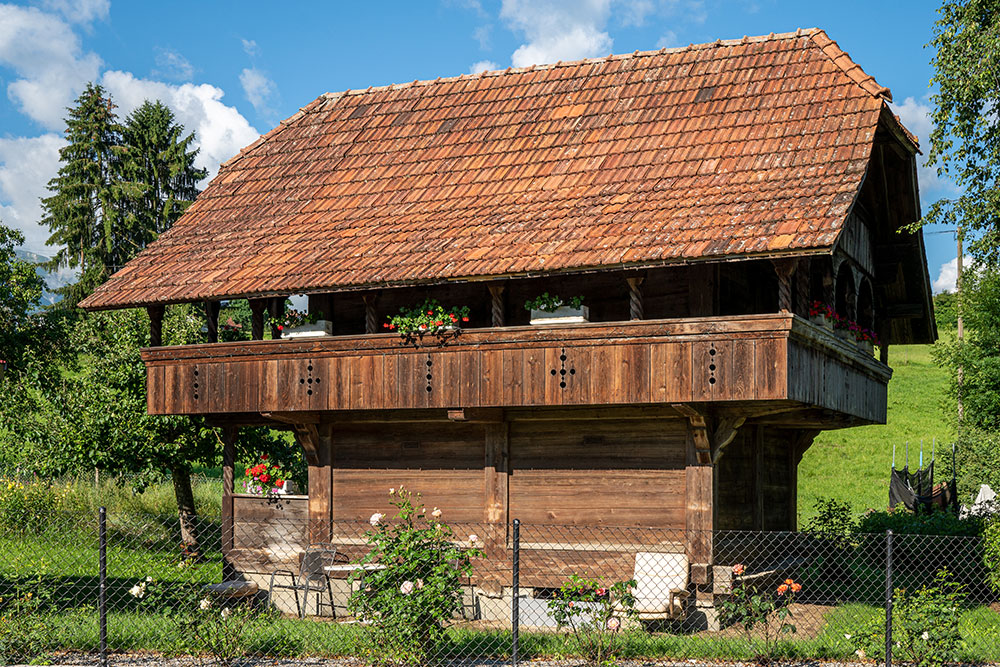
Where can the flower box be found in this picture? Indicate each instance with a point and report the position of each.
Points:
(314, 330)
(867, 347)
(561, 315)
(821, 321)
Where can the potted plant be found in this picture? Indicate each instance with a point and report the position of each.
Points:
(302, 324)
(430, 317)
(552, 309)
(265, 479)
(822, 314)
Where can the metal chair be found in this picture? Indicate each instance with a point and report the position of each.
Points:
(311, 578)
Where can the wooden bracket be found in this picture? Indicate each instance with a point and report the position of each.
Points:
(709, 442)
(307, 435)
(474, 415)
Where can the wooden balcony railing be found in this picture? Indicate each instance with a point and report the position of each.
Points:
(749, 358)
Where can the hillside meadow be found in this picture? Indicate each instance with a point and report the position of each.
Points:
(852, 465)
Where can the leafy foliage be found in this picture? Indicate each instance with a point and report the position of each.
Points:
(991, 553)
(759, 612)
(25, 632)
(428, 317)
(832, 520)
(594, 612)
(946, 310)
(925, 625)
(965, 141)
(552, 302)
(418, 583)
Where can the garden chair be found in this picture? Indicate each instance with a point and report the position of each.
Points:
(311, 578)
(661, 586)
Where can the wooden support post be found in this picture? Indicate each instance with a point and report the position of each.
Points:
(317, 443)
(498, 316)
(797, 449)
(785, 268)
(212, 316)
(635, 309)
(155, 325)
(757, 478)
(257, 307)
(802, 276)
(228, 438)
(497, 470)
(276, 308)
(883, 352)
(371, 325)
(699, 487)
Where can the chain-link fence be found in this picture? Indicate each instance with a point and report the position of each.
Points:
(421, 592)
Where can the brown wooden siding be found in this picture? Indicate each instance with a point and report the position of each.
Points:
(742, 358)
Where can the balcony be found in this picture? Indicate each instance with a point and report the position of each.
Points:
(741, 359)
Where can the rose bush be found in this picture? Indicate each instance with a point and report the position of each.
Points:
(764, 614)
(593, 611)
(413, 582)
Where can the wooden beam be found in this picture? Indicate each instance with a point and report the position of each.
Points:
(476, 415)
(635, 305)
(155, 325)
(371, 325)
(698, 433)
(725, 433)
(321, 486)
(228, 438)
(257, 307)
(212, 317)
(795, 452)
(498, 316)
(293, 418)
(276, 308)
(497, 471)
(785, 268)
(307, 435)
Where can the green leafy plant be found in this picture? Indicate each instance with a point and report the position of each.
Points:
(594, 612)
(833, 520)
(428, 317)
(264, 478)
(25, 634)
(925, 625)
(25, 507)
(413, 584)
(765, 613)
(297, 318)
(552, 302)
(991, 553)
(224, 632)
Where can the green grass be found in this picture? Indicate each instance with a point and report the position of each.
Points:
(852, 465)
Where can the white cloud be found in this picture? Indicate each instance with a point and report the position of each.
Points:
(46, 56)
(483, 66)
(948, 275)
(79, 11)
(634, 13)
(667, 40)
(26, 166)
(484, 35)
(220, 130)
(250, 47)
(259, 89)
(173, 65)
(558, 30)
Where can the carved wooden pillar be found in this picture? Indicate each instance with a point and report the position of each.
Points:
(498, 316)
(802, 303)
(317, 444)
(635, 310)
(212, 315)
(276, 307)
(257, 307)
(497, 470)
(784, 268)
(155, 325)
(371, 325)
(228, 529)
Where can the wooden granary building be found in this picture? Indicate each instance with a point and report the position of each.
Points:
(700, 199)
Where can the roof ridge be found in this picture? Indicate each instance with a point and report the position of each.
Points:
(841, 59)
(583, 61)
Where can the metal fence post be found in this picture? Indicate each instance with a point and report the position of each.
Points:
(515, 610)
(888, 598)
(102, 591)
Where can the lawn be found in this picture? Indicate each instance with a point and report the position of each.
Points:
(852, 465)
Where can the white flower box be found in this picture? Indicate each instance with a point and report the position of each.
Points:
(561, 315)
(317, 329)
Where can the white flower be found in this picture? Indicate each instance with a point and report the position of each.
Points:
(149, 580)
(205, 604)
(614, 624)
(406, 588)
(227, 612)
(137, 591)
(436, 513)
(847, 636)
(860, 653)
(473, 538)
(420, 583)
(392, 492)
(376, 518)
(925, 636)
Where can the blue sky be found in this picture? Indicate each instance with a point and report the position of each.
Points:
(231, 70)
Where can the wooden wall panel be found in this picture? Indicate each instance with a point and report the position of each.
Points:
(598, 473)
(444, 462)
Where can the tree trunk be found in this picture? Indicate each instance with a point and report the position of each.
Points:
(185, 505)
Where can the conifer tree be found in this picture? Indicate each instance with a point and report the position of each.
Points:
(83, 213)
(158, 169)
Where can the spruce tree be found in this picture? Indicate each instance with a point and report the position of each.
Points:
(84, 212)
(158, 168)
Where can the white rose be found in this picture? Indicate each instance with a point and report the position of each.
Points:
(406, 588)
(205, 604)
(473, 538)
(436, 513)
(149, 580)
(392, 492)
(137, 591)
(376, 518)
(860, 653)
(227, 612)
(925, 636)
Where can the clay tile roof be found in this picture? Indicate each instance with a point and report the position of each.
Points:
(736, 148)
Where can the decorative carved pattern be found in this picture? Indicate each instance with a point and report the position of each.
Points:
(712, 353)
(430, 376)
(635, 309)
(310, 381)
(496, 302)
(195, 382)
(563, 372)
(371, 325)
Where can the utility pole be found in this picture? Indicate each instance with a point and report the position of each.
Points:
(961, 327)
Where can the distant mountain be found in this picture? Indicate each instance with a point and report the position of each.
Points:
(53, 280)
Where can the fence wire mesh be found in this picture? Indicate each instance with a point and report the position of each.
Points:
(277, 588)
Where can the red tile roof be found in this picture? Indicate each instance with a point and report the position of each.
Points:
(744, 147)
